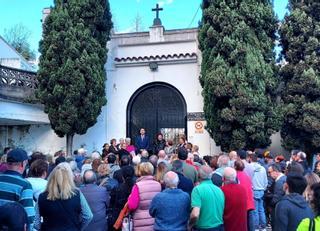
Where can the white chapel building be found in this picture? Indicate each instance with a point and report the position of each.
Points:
(152, 82)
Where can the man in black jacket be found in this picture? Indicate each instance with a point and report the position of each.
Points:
(277, 190)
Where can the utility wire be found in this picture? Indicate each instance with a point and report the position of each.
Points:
(194, 16)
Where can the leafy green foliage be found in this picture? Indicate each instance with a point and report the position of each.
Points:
(71, 71)
(300, 38)
(238, 75)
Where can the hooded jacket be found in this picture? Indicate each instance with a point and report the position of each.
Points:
(290, 211)
(260, 179)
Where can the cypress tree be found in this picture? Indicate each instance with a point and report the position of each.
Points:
(300, 39)
(71, 70)
(238, 75)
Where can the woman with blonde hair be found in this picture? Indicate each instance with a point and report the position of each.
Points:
(311, 178)
(145, 188)
(161, 170)
(62, 206)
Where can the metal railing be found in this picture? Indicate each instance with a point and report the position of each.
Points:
(16, 83)
(19, 78)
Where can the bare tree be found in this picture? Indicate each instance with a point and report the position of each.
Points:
(137, 23)
(18, 36)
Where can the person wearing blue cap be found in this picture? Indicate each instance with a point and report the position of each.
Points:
(13, 187)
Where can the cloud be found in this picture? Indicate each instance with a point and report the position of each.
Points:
(138, 1)
(161, 3)
(164, 2)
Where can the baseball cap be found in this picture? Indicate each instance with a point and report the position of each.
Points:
(268, 155)
(17, 155)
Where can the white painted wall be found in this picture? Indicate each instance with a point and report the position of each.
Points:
(123, 82)
(31, 138)
(42, 138)
(23, 112)
(157, 49)
(10, 62)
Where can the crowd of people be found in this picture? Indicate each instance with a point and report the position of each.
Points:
(158, 186)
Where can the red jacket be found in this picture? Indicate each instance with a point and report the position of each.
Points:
(235, 209)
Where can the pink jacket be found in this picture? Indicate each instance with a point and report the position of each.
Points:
(139, 201)
(131, 148)
(245, 181)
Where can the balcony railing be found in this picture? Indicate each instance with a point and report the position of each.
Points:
(17, 84)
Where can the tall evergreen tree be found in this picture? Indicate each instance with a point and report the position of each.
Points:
(71, 71)
(238, 75)
(300, 38)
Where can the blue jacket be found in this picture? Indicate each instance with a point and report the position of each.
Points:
(79, 159)
(98, 200)
(260, 179)
(142, 144)
(290, 211)
(171, 209)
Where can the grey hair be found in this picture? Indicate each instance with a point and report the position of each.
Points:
(302, 155)
(128, 140)
(171, 179)
(73, 165)
(223, 161)
(230, 174)
(95, 155)
(91, 179)
(144, 153)
(205, 173)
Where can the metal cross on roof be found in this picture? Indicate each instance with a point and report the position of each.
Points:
(157, 21)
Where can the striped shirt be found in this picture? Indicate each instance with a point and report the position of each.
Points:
(14, 188)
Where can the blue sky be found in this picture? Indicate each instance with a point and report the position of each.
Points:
(176, 14)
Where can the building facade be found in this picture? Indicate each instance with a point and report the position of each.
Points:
(152, 83)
